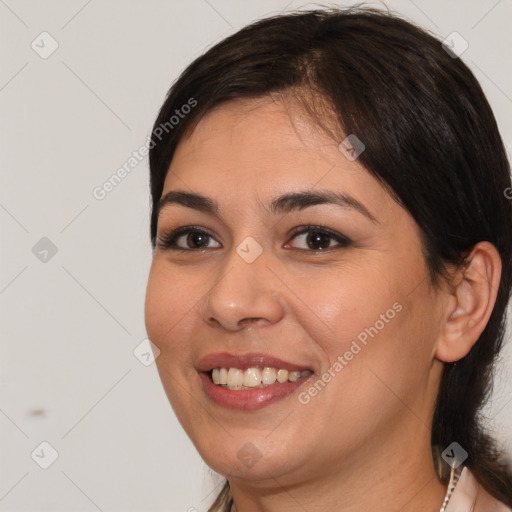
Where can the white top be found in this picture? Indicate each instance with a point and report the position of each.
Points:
(470, 496)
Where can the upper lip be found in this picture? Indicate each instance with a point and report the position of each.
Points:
(244, 361)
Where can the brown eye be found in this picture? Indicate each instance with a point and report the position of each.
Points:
(186, 239)
(319, 239)
(196, 240)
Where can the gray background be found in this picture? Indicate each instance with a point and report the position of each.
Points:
(71, 320)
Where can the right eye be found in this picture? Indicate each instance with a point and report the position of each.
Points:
(186, 238)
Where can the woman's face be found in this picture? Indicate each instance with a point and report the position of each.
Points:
(295, 259)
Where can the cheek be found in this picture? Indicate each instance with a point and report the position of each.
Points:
(158, 302)
(168, 326)
(354, 302)
(375, 318)
(168, 306)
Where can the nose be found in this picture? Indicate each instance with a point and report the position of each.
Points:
(244, 294)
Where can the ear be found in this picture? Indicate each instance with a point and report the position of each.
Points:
(469, 303)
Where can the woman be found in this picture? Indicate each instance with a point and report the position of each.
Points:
(332, 263)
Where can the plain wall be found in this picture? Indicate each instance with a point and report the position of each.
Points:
(71, 320)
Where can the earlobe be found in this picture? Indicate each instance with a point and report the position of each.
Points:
(470, 302)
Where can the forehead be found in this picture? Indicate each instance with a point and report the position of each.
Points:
(264, 147)
(272, 123)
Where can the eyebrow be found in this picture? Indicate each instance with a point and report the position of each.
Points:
(282, 204)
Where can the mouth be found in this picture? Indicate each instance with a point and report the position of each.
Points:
(251, 378)
(249, 381)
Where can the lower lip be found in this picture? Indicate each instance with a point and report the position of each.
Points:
(249, 399)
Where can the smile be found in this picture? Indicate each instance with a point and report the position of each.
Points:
(236, 379)
(249, 381)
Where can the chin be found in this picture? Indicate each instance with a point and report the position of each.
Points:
(257, 460)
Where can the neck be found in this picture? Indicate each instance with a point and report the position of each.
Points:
(399, 476)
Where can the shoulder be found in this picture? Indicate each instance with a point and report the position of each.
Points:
(470, 496)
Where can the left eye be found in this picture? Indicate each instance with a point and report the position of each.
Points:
(320, 239)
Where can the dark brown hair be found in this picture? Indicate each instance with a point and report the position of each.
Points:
(431, 139)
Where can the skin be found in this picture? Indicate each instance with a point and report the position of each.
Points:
(363, 442)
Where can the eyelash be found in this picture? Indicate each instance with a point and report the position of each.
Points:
(167, 241)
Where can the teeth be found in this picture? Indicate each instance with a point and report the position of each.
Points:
(252, 377)
(268, 376)
(294, 376)
(234, 378)
(282, 376)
